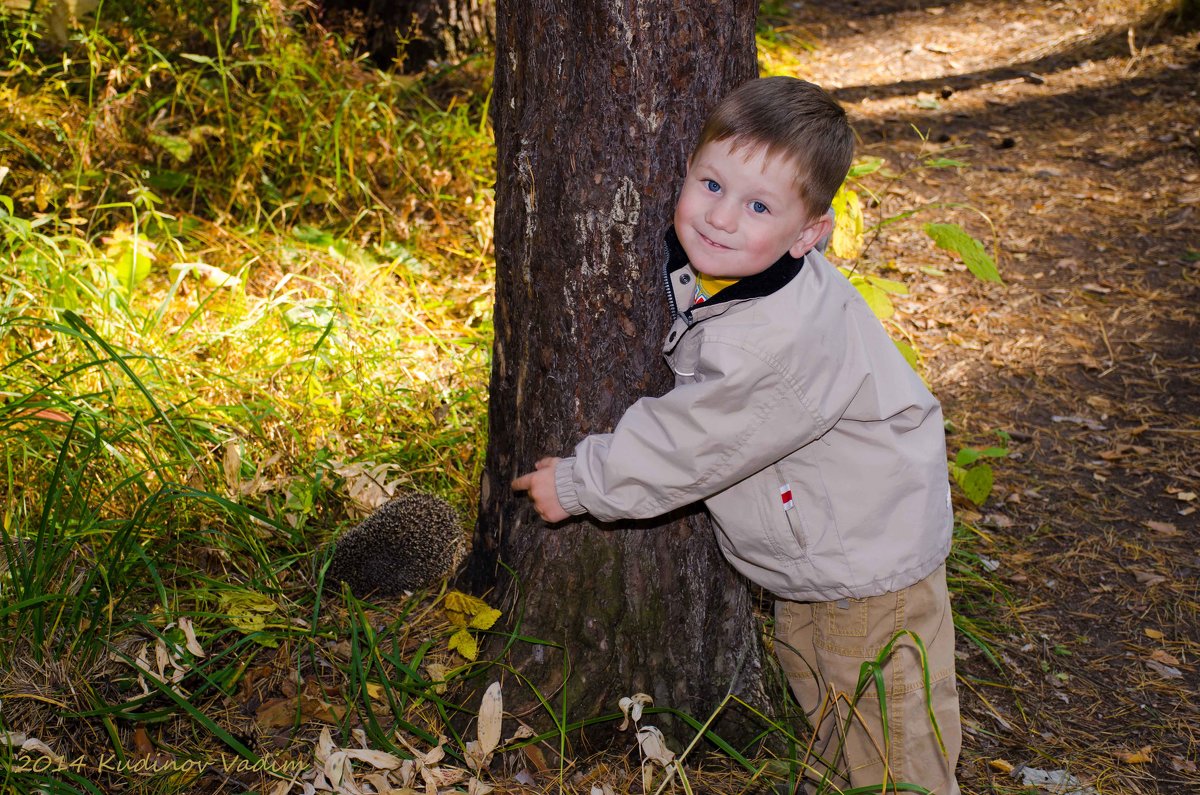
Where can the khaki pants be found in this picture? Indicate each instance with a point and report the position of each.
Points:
(821, 647)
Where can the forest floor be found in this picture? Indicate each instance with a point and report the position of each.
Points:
(1080, 124)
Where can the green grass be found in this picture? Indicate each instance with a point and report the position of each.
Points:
(178, 445)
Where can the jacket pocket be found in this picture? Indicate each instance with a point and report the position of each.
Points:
(785, 502)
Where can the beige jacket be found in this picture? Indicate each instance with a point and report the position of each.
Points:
(818, 451)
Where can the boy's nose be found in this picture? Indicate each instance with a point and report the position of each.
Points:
(721, 215)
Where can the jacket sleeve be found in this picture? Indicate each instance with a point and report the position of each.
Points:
(741, 414)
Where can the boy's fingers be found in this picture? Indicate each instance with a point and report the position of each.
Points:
(522, 483)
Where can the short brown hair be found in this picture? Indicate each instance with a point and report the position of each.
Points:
(795, 119)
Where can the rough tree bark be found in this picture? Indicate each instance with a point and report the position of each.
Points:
(416, 31)
(596, 108)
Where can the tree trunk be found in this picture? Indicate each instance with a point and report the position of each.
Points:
(597, 106)
(415, 31)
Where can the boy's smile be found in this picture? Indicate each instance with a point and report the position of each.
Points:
(738, 212)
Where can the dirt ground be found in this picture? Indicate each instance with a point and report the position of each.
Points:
(1080, 124)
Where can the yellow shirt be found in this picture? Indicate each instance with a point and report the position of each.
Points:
(708, 286)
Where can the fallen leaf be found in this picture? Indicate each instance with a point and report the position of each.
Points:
(141, 742)
(1165, 671)
(281, 712)
(536, 757)
(1090, 424)
(1164, 528)
(654, 745)
(1147, 578)
(211, 275)
(1181, 765)
(380, 760)
(1001, 765)
(1057, 781)
(1138, 757)
(491, 713)
(1186, 496)
(437, 676)
(231, 466)
(631, 708)
(189, 632)
(1162, 657)
(521, 733)
(1153, 634)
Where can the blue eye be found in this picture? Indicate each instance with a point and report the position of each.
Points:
(759, 207)
(712, 185)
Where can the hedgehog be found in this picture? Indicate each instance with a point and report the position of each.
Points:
(409, 543)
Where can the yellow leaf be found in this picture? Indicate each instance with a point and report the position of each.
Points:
(847, 239)
(485, 618)
(464, 643)
(1138, 757)
(461, 609)
(1153, 634)
(1001, 765)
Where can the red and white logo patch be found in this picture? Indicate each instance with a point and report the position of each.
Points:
(785, 495)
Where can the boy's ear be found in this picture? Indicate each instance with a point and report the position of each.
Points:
(812, 234)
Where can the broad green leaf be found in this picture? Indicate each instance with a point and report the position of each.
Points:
(868, 166)
(909, 353)
(313, 236)
(977, 484)
(168, 180)
(953, 237)
(945, 162)
(130, 257)
(847, 241)
(248, 612)
(308, 316)
(178, 147)
(888, 285)
(464, 643)
(966, 456)
(876, 298)
(994, 452)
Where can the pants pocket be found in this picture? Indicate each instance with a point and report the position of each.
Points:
(845, 618)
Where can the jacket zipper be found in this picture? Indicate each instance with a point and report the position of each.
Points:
(793, 519)
(666, 272)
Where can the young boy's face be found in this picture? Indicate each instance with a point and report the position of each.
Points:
(738, 212)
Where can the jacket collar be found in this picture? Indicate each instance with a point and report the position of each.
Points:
(760, 284)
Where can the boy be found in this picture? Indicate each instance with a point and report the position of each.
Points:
(817, 450)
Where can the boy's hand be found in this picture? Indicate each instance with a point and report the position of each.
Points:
(543, 492)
